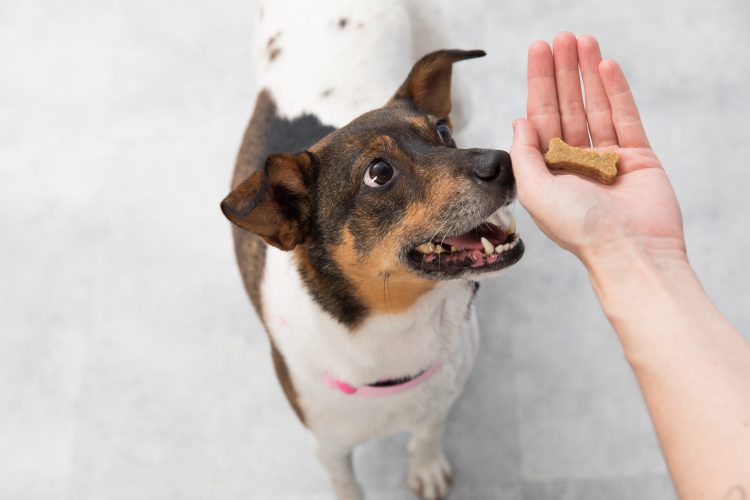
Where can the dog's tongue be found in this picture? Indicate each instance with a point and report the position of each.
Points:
(472, 239)
(467, 241)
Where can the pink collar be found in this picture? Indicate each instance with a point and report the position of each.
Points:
(373, 391)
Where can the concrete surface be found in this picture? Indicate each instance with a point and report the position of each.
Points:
(131, 365)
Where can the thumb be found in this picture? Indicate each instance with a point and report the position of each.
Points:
(526, 157)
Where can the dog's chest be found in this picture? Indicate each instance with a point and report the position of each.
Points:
(440, 327)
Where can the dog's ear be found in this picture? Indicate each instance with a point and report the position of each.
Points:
(275, 203)
(428, 85)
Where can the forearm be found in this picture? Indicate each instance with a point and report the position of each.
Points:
(692, 365)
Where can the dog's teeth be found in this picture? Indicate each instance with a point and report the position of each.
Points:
(426, 248)
(439, 249)
(488, 248)
(511, 226)
(453, 249)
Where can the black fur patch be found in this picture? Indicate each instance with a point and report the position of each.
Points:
(268, 134)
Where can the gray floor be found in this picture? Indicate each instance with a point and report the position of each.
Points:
(131, 366)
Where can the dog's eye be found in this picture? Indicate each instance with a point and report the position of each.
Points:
(444, 131)
(378, 174)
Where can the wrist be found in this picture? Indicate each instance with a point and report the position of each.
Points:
(649, 292)
(637, 258)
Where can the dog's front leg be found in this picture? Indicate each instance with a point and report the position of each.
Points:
(338, 461)
(430, 473)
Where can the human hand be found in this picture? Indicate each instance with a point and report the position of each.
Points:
(640, 209)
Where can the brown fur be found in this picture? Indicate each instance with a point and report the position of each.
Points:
(428, 85)
(381, 281)
(274, 203)
(285, 379)
(420, 123)
(251, 258)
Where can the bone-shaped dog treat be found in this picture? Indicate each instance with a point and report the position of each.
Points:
(600, 165)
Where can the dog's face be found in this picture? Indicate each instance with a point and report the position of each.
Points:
(388, 202)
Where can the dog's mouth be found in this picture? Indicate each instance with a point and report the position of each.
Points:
(492, 245)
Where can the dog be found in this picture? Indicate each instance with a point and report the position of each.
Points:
(361, 248)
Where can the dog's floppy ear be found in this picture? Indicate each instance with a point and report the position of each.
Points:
(428, 85)
(274, 203)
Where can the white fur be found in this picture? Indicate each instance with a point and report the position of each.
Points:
(436, 328)
(361, 65)
(439, 327)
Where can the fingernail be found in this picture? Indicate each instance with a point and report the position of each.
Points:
(514, 125)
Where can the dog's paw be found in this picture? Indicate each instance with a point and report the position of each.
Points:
(351, 491)
(432, 480)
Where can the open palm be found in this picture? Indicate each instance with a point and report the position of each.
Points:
(579, 214)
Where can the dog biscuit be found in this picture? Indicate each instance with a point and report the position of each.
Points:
(599, 165)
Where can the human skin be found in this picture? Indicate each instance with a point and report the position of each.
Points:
(693, 367)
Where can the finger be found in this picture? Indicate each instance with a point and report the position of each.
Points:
(526, 157)
(632, 159)
(541, 107)
(625, 116)
(569, 98)
(598, 111)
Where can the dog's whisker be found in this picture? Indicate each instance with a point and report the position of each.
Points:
(450, 230)
(445, 235)
(438, 229)
(385, 295)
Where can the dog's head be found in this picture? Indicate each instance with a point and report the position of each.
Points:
(388, 205)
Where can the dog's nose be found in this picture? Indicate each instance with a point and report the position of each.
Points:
(493, 166)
